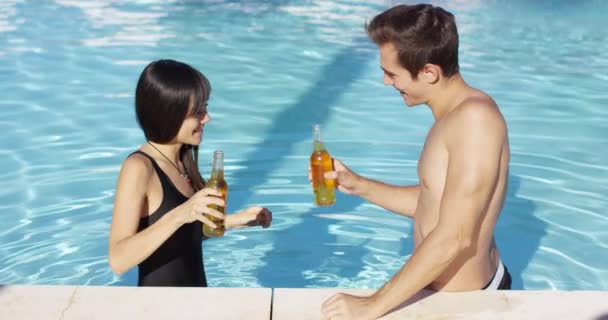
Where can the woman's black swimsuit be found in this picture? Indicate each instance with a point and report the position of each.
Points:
(178, 261)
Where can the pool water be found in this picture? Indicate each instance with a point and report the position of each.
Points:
(68, 71)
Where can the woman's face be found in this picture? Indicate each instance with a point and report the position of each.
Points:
(191, 131)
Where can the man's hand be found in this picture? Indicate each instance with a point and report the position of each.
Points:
(343, 306)
(347, 181)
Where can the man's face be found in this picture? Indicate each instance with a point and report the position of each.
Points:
(398, 77)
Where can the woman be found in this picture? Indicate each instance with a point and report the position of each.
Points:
(160, 195)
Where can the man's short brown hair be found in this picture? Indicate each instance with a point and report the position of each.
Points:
(421, 34)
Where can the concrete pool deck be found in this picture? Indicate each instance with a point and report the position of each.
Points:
(115, 303)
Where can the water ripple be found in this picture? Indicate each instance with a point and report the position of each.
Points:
(276, 68)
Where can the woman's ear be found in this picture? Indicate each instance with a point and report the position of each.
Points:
(430, 73)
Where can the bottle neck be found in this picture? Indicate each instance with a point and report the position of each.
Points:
(217, 172)
(317, 142)
(318, 146)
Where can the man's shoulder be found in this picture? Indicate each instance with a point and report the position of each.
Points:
(477, 111)
(476, 119)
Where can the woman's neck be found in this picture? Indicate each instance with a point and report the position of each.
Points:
(170, 150)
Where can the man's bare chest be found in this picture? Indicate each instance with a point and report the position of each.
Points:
(432, 164)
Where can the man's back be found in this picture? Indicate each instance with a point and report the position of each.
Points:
(467, 123)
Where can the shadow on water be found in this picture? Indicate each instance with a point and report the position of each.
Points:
(306, 252)
(294, 124)
(518, 233)
(302, 245)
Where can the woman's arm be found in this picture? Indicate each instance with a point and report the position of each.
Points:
(252, 216)
(127, 247)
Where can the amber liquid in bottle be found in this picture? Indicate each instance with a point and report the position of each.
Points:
(218, 183)
(320, 163)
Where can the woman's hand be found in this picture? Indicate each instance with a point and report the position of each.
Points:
(198, 205)
(252, 216)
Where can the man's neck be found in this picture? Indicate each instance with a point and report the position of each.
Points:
(452, 92)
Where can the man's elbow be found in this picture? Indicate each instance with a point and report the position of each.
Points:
(464, 244)
(457, 244)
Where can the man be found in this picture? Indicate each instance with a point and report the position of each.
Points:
(463, 167)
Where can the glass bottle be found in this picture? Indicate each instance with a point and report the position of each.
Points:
(217, 182)
(320, 163)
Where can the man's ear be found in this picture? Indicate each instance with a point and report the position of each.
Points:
(430, 73)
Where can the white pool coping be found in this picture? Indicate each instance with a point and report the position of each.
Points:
(131, 303)
(42, 302)
(304, 304)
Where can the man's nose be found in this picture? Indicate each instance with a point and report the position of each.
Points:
(387, 80)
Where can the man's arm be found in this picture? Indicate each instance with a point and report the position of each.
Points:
(398, 199)
(474, 153)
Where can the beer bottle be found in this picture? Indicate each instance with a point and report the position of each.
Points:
(321, 162)
(218, 183)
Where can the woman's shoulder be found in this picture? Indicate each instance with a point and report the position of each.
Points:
(137, 165)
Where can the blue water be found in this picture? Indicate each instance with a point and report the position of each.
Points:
(67, 75)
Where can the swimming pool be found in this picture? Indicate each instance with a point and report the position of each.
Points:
(68, 71)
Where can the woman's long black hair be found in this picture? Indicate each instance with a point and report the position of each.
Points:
(162, 102)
